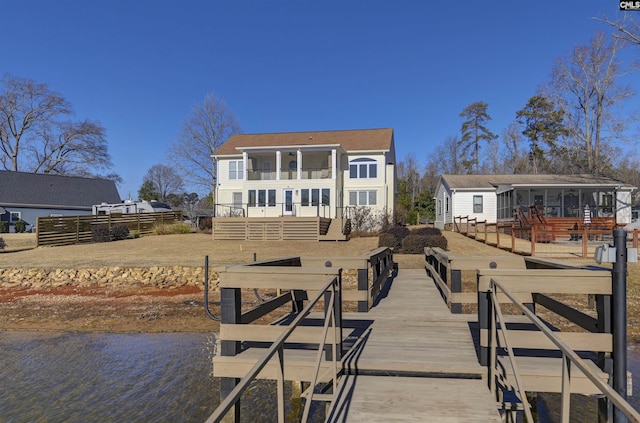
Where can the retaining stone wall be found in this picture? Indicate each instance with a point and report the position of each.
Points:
(106, 276)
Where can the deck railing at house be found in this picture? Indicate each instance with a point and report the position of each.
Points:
(557, 238)
(272, 209)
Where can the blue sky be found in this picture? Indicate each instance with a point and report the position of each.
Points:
(140, 66)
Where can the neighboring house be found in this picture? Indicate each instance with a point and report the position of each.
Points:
(27, 196)
(494, 197)
(305, 174)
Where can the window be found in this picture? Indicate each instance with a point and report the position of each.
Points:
(363, 198)
(314, 196)
(477, 203)
(363, 168)
(236, 170)
(15, 216)
(325, 196)
(446, 203)
(262, 198)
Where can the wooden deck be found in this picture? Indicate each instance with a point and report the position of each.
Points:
(281, 228)
(428, 371)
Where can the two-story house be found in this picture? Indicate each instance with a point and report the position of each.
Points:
(305, 174)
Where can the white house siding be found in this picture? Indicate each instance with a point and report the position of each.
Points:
(381, 184)
(463, 201)
(623, 207)
(441, 215)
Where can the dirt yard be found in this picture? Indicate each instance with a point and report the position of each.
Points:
(139, 308)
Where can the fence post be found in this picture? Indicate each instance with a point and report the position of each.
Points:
(37, 231)
(230, 303)
(484, 308)
(619, 319)
(456, 286)
(534, 235)
(363, 286)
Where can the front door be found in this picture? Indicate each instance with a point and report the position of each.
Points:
(288, 202)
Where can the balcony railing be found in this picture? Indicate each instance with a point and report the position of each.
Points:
(289, 174)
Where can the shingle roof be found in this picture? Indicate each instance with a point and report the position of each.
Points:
(492, 181)
(349, 140)
(20, 188)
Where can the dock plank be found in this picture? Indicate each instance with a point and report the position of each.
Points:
(413, 331)
(407, 399)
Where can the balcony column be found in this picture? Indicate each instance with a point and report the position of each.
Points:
(245, 158)
(299, 161)
(334, 167)
(278, 164)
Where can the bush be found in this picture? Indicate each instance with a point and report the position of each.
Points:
(4, 227)
(428, 231)
(20, 226)
(206, 224)
(3, 245)
(388, 240)
(134, 234)
(398, 231)
(412, 217)
(174, 228)
(119, 232)
(100, 233)
(415, 244)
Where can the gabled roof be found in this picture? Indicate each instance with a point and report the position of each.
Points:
(349, 140)
(484, 182)
(55, 191)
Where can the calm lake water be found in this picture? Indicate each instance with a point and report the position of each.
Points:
(74, 377)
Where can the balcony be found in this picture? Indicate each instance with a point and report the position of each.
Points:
(290, 165)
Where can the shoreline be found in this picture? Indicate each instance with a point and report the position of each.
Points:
(102, 309)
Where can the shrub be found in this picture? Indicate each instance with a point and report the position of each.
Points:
(427, 231)
(3, 245)
(412, 217)
(4, 227)
(415, 244)
(20, 226)
(388, 240)
(119, 232)
(134, 234)
(398, 231)
(174, 228)
(100, 233)
(206, 224)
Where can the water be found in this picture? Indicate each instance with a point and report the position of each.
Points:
(71, 377)
(77, 377)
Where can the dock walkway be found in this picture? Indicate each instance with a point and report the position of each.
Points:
(415, 362)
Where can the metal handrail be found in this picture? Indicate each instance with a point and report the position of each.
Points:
(512, 361)
(569, 356)
(276, 347)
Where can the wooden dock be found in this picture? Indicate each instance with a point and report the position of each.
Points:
(408, 354)
(428, 371)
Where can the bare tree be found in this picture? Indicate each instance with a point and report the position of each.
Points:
(70, 148)
(627, 28)
(585, 87)
(162, 181)
(515, 160)
(25, 106)
(446, 157)
(204, 131)
(36, 135)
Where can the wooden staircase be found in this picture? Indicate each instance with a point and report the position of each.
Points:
(335, 231)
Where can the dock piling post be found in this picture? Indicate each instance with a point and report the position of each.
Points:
(619, 319)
